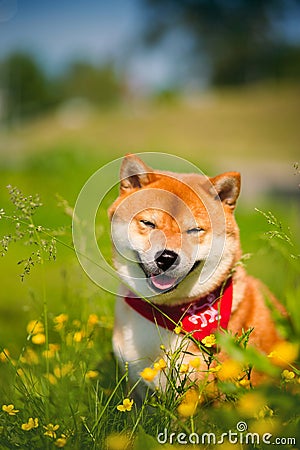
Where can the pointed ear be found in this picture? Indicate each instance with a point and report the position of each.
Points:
(228, 187)
(134, 173)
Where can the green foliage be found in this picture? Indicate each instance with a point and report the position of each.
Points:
(99, 85)
(237, 39)
(27, 89)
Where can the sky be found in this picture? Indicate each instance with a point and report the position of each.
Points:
(57, 31)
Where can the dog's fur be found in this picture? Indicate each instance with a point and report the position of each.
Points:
(192, 216)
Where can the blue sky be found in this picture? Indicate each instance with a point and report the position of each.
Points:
(57, 31)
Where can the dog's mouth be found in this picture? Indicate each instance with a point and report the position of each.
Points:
(160, 282)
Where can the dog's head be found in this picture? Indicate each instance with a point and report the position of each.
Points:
(174, 235)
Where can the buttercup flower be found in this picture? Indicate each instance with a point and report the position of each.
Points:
(60, 321)
(51, 378)
(50, 353)
(29, 357)
(35, 327)
(61, 441)
(10, 409)
(160, 365)
(251, 404)
(32, 423)
(93, 320)
(63, 370)
(91, 374)
(148, 374)
(126, 405)
(195, 362)
(229, 369)
(38, 339)
(189, 403)
(283, 354)
(50, 430)
(209, 341)
(245, 383)
(117, 442)
(184, 368)
(287, 375)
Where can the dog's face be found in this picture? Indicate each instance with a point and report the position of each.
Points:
(174, 235)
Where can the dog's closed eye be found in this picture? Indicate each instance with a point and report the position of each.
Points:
(148, 223)
(195, 230)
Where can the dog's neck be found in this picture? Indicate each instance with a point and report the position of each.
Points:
(199, 318)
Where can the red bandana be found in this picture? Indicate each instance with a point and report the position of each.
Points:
(200, 317)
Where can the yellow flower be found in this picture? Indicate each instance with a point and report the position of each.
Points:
(38, 339)
(50, 430)
(32, 423)
(195, 362)
(177, 330)
(215, 369)
(29, 357)
(148, 374)
(126, 405)
(184, 368)
(35, 327)
(284, 353)
(287, 375)
(209, 341)
(160, 365)
(92, 320)
(251, 404)
(229, 369)
(51, 378)
(117, 442)
(78, 336)
(4, 355)
(162, 347)
(189, 403)
(10, 409)
(52, 350)
(63, 370)
(245, 383)
(91, 374)
(60, 321)
(61, 441)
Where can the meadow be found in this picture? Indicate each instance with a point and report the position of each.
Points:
(60, 386)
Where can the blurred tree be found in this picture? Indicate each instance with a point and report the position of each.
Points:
(24, 86)
(97, 84)
(237, 36)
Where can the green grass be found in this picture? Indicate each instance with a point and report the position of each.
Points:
(47, 158)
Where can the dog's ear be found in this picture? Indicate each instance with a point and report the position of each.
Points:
(227, 186)
(134, 173)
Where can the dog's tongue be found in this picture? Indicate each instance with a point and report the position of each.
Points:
(162, 282)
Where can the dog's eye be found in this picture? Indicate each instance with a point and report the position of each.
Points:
(195, 230)
(148, 223)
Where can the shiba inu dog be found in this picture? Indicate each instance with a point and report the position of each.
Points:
(177, 250)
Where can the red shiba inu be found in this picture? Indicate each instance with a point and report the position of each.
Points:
(177, 250)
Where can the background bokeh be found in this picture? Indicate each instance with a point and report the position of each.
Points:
(82, 83)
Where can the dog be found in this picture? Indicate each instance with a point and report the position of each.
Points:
(177, 250)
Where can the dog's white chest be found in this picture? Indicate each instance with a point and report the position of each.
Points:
(137, 341)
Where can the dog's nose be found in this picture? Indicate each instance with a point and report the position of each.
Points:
(164, 260)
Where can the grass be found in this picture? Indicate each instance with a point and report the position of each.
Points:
(56, 363)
